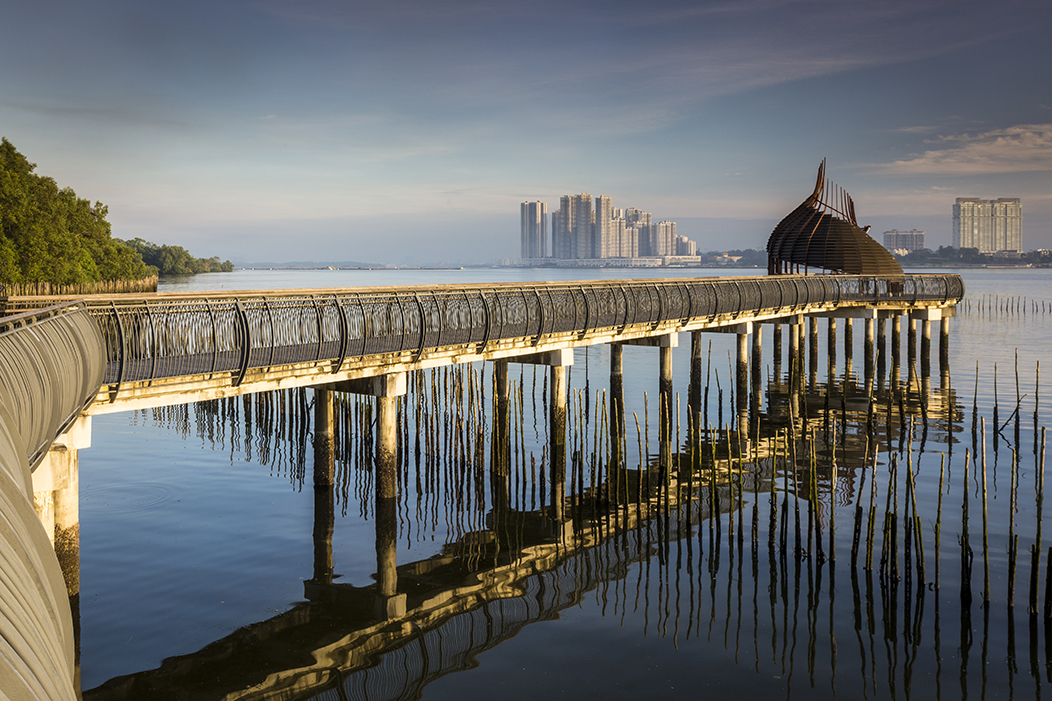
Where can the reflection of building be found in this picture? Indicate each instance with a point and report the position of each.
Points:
(989, 225)
(904, 241)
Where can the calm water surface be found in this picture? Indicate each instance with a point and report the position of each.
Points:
(196, 526)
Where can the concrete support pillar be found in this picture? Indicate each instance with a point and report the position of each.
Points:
(896, 348)
(944, 349)
(557, 434)
(757, 368)
(324, 479)
(882, 348)
(742, 375)
(66, 510)
(812, 350)
(926, 348)
(696, 359)
(794, 353)
(501, 422)
(869, 347)
(617, 403)
(849, 345)
(777, 351)
(831, 347)
(911, 347)
(390, 603)
(666, 409)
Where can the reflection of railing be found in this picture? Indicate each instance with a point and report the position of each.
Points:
(166, 337)
(51, 366)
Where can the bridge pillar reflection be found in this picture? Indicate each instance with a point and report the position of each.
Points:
(557, 362)
(666, 399)
(387, 389)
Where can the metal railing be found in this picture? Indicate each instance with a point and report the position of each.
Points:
(52, 363)
(205, 334)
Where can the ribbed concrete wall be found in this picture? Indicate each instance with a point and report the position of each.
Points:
(51, 364)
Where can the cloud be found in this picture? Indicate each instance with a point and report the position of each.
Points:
(1020, 149)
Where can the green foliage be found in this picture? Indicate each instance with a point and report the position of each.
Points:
(176, 260)
(48, 234)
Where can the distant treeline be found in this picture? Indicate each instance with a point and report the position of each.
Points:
(51, 239)
(948, 255)
(176, 260)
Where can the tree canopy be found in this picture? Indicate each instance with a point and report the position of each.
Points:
(176, 260)
(48, 234)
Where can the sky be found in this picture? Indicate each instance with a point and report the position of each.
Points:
(408, 132)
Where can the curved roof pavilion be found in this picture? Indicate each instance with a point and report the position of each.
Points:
(823, 233)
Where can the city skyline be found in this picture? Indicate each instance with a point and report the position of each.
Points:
(590, 228)
(408, 133)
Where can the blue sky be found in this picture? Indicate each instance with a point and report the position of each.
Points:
(409, 132)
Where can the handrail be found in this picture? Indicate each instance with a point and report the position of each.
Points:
(379, 320)
(51, 367)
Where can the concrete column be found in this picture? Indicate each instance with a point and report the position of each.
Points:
(742, 374)
(757, 367)
(324, 478)
(386, 447)
(849, 344)
(557, 434)
(911, 347)
(666, 409)
(896, 348)
(696, 359)
(926, 348)
(501, 426)
(944, 346)
(831, 346)
(868, 352)
(777, 351)
(617, 403)
(66, 535)
(812, 349)
(794, 353)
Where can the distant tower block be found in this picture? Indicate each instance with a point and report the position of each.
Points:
(534, 238)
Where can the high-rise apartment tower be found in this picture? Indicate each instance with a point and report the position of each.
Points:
(989, 225)
(534, 238)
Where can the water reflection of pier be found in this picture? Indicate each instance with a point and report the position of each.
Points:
(423, 619)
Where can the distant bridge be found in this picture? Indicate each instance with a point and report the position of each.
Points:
(160, 349)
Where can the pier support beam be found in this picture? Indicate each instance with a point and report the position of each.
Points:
(944, 347)
(557, 427)
(831, 348)
(501, 423)
(869, 353)
(324, 479)
(896, 348)
(757, 369)
(696, 389)
(849, 345)
(777, 351)
(617, 403)
(812, 350)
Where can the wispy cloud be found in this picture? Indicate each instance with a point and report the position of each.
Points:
(1019, 149)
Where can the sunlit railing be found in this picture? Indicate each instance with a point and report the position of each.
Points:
(207, 333)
